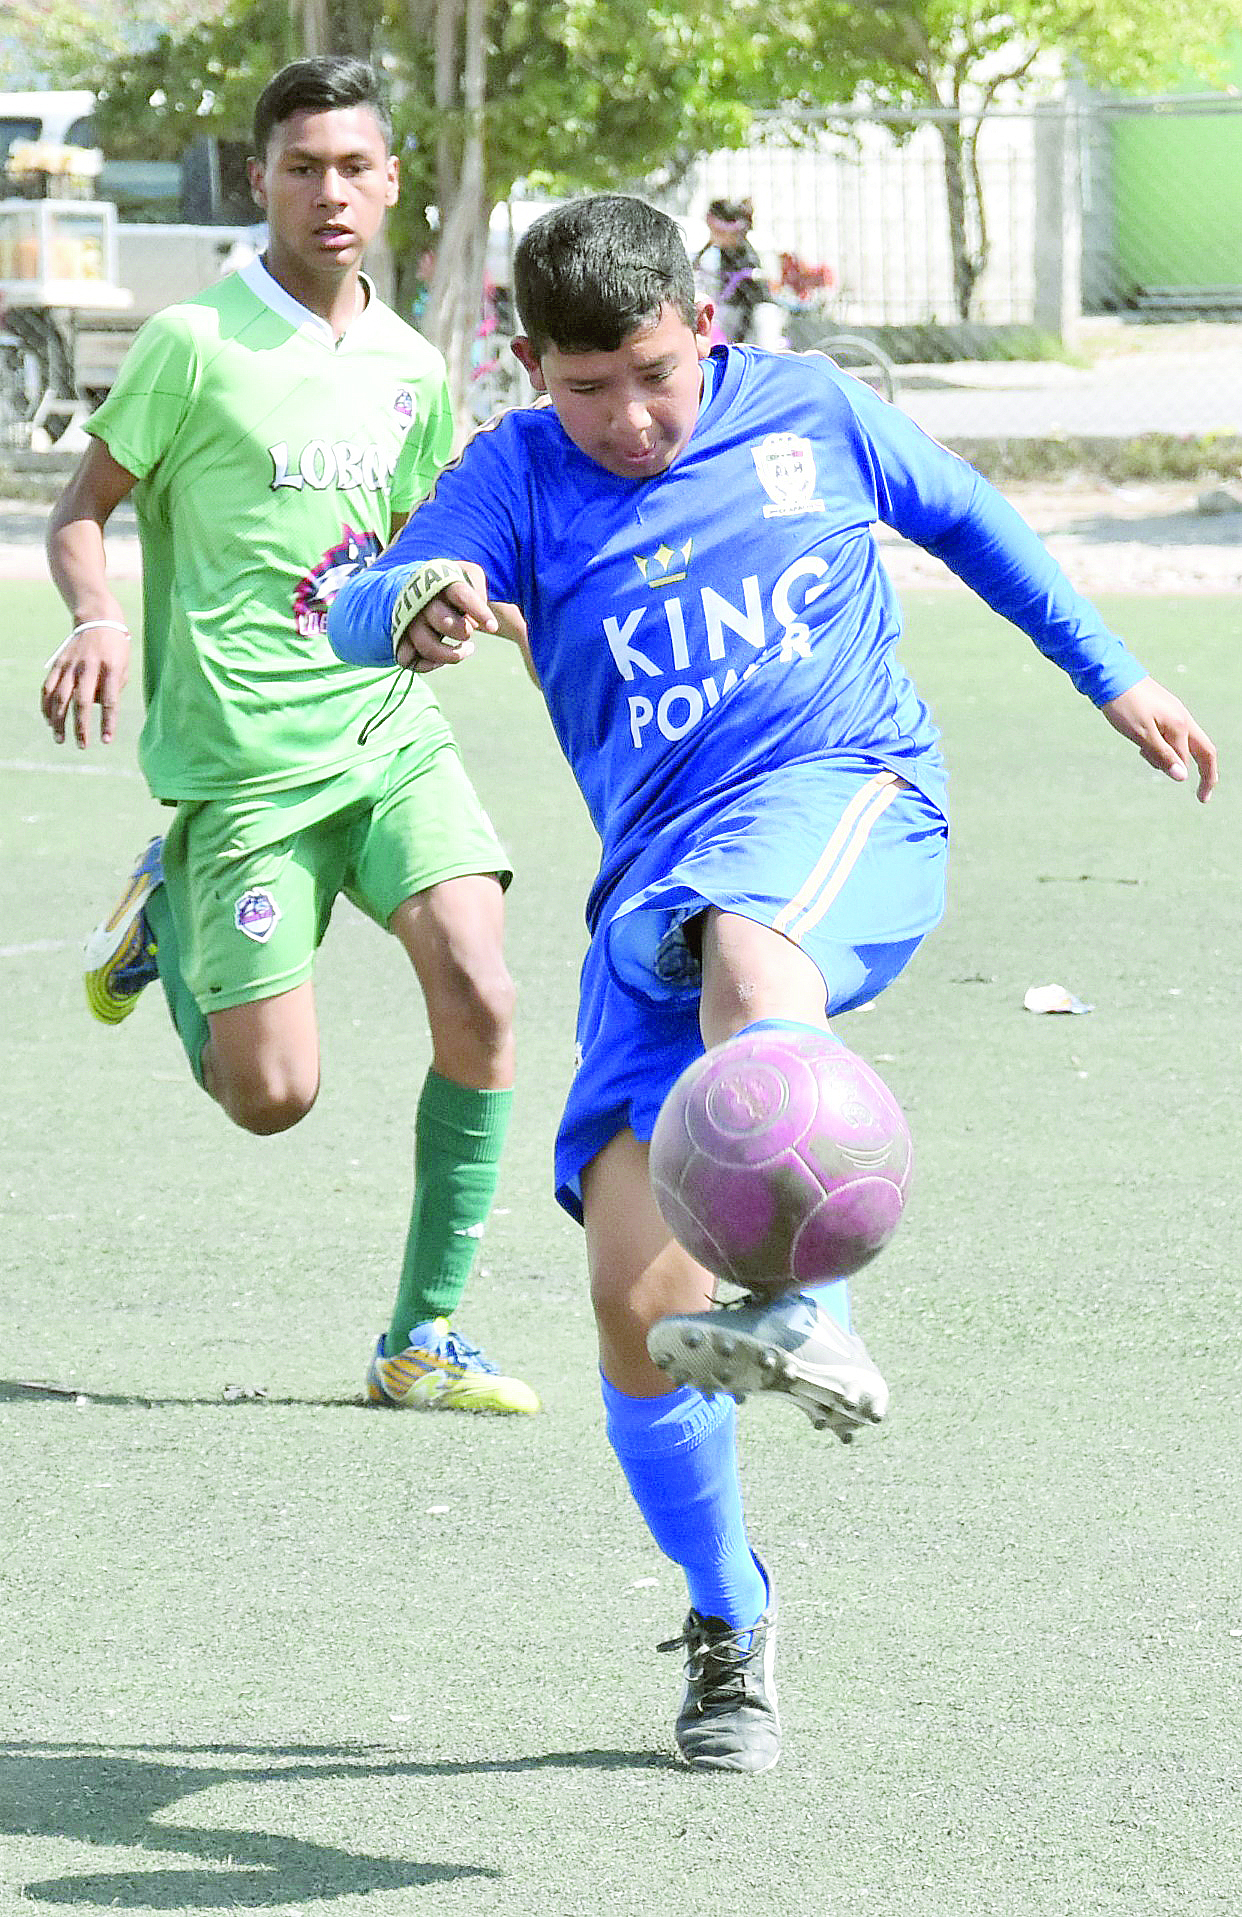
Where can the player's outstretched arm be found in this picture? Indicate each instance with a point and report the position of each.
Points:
(1167, 735)
(91, 666)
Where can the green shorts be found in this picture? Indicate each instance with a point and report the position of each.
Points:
(252, 881)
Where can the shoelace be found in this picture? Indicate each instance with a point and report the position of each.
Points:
(726, 1650)
(460, 1351)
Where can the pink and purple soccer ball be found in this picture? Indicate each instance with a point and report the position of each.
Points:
(780, 1159)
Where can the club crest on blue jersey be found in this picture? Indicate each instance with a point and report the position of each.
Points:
(785, 463)
(257, 915)
(318, 588)
(666, 565)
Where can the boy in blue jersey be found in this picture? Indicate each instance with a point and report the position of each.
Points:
(681, 542)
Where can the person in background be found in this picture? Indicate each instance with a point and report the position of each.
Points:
(729, 272)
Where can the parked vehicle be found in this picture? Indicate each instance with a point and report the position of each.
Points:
(178, 225)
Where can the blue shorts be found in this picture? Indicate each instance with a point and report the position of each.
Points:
(844, 858)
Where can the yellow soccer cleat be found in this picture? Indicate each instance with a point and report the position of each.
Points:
(442, 1371)
(120, 954)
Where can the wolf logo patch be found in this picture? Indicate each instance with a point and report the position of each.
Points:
(257, 915)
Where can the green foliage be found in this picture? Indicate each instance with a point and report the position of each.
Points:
(154, 101)
(202, 70)
(584, 95)
(66, 43)
(902, 53)
(934, 344)
(578, 96)
(1142, 457)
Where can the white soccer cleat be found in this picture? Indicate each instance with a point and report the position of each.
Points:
(789, 1344)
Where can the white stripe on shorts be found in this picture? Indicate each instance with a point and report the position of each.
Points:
(838, 858)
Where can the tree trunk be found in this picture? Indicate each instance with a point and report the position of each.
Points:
(310, 26)
(967, 231)
(456, 305)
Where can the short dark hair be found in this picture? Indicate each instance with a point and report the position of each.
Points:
(591, 272)
(320, 84)
(731, 212)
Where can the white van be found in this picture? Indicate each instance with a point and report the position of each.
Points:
(63, 119)
(180, 225)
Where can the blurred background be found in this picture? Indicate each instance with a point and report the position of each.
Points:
(1024, 226)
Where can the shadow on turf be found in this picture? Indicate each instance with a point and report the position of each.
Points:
(229, 1398)
(110, 1795)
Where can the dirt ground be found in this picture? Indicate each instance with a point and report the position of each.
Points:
(1140, 537)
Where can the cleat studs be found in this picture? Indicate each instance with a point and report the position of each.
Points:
(726, 1344)
(692, 1337)
(739, 1397)
(769, 1363)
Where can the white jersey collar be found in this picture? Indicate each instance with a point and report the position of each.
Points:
(273, 294)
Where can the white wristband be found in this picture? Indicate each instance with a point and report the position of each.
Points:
(86, 625)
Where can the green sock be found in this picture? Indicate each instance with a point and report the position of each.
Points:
(459, 1134)
(191, 1024)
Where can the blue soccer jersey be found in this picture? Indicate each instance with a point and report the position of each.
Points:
(693, 630)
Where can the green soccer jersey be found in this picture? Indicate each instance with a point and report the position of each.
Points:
(269, 460)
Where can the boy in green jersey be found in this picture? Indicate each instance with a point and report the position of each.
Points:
(274, 432)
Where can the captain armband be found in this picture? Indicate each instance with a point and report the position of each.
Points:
(425, 582)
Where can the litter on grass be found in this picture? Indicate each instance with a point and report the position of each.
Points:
(1053, 998)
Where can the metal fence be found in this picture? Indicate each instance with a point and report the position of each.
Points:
(1114, 228)
(860, 202)
(1109, 304)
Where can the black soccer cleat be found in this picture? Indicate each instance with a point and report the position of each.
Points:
(728, 1719)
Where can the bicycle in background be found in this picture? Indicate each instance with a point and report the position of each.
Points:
(805, 291)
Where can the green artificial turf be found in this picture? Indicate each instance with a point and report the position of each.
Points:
(281, 1653)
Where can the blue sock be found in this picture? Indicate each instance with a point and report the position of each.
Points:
(679, 1456)
(786, 1025)
(834, 1296)
(834, 1293)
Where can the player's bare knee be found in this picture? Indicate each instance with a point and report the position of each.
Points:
(495, 999)
(614, 1313)
(266, 1105)
(478, 1000)
(620, 1311)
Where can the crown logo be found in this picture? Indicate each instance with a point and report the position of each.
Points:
(654, 567)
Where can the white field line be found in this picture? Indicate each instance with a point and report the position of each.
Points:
(32, 950)
(76, 767)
